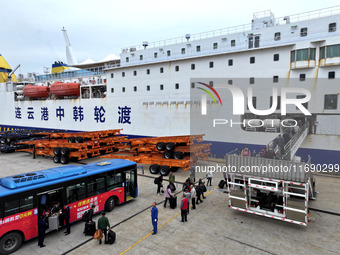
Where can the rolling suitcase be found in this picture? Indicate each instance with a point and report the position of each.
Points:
(53, 222)
(221, 184)
(173, 202)
(111, 237)
(90, 228)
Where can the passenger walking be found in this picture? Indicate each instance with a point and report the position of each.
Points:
(103, 225)
(184, 208)
(159, 182)
(210, 175)
(42, 226)
(154, 217)
(66, 215)
(193, 197)
(167, 195)
(281, 144)
(246, 152)
(198, 194)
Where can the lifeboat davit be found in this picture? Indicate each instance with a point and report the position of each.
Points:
(33, 91)
(61, 89)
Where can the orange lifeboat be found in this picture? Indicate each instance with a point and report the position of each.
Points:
(61, 89)
(33, 91)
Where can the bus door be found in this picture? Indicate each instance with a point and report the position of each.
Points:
(47, 199)
(130, 184)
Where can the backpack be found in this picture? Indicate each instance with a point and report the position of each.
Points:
(85, 216)
(156, 181)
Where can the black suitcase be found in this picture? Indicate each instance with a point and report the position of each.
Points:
(221, 184)
(90, 228)
(111, 237)
(173, 202)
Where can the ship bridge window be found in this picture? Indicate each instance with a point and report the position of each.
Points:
(123, 74)
(155, 55)
(211, 64)
(276, 57)
(123, 89)
(253, 42)
(127, 59)
(161, 87)
(277, 36)
(192, 66)
(176, 68)
(330, 51)
(177, 86)
(161, 70)
(233, 43)
(183, 51)
(148, 71)
(252, 60)
(134, 73)
(168, 53)
(230, 62)
(331, 102)
(215, 45)
(332, 27)
(198, 48)
(302, 55)
(303, 31)
(140, 57)
(331, 75)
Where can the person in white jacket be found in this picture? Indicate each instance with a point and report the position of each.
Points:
(209, 177)
(193, 196)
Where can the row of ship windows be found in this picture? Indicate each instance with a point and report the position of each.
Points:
(253, 41)
(302, 77)
(330, 102)
(328, 51)
(276, 57)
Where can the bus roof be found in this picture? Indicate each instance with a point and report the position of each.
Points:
(24, 182)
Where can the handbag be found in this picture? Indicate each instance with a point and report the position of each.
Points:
(98, 235)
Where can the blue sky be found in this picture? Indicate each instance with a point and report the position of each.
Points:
(31, 30)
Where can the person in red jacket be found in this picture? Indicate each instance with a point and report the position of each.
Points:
(184, 208)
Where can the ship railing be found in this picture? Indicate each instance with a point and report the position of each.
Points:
(68, 75)
(294, 143)
(239, 29)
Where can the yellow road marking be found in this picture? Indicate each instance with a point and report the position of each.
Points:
(160, 227)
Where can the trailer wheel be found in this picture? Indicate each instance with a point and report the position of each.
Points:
(56, 159)
(154, 169)
(160, 146)
(64, 151)
(57, 151)
(164, 170)
(71, 139)
(168, 155)
(10, 243)
(8, 141)
(170, 146)
(110, 204)
(178, 155)
(79, 139)
(64, 160)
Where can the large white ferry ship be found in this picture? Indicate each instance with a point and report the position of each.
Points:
(148, 90)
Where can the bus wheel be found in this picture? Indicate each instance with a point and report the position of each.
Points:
(110, 204)
(178, 155)
(164, 170)
(56, 159)
(10, 243)
(64, 160)
(168, 154)
(160, 146)
(154, 169)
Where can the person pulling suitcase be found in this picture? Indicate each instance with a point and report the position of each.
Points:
(90, 225)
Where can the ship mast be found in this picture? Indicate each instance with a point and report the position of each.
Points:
(71, 59)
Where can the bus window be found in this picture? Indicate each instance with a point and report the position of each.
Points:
(26, 203)
(96, 186)
(12, 207)
(75, 192)
(114, 180)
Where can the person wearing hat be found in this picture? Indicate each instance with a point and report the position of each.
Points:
(103, 224)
